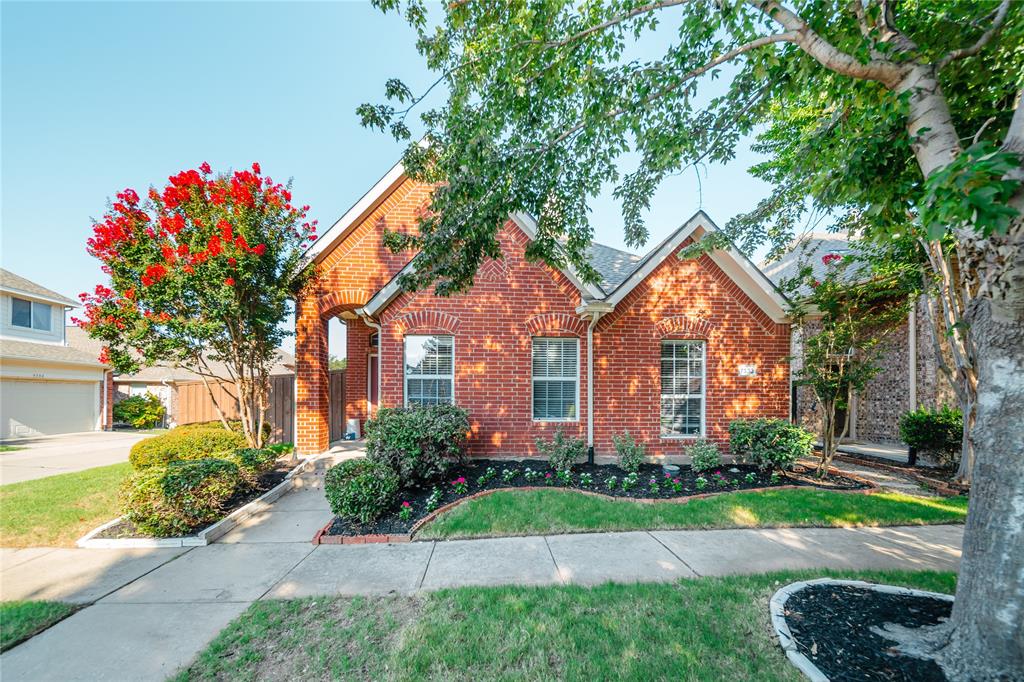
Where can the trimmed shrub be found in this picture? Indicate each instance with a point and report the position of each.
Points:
(253, 463)
(176, 498)
(562, 452)
(184, 443)
(769, 443)
(938, 433)
(360, 490)
(233, 424)
(419, 443)
(703, 455)
(141, 411)
(631, 453)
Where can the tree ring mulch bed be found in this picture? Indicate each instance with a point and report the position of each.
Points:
(511, 474)
(838, 627)
(269, 480)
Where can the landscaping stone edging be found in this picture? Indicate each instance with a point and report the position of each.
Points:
(777, 611)
(207, 535)
(944, 488)
(321, 537)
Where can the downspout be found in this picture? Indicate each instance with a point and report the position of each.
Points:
(380, 347)
(595, 310)
(912, 355)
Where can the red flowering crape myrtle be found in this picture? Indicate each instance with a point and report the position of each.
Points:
(207, 263)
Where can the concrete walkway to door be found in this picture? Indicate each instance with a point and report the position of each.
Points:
(152, 611)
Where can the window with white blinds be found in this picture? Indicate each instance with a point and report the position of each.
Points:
(429, 370)
(682, 388)
(556, 377)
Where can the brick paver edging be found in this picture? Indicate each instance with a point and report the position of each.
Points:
(322, 538)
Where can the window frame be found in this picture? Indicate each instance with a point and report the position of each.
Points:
(32, 315)
(405, 375)
(703, 391)
(534, 379)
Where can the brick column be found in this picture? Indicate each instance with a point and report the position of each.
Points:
(312, 397)
(108, 402)
(357, 343)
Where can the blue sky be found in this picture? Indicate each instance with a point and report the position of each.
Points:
(97, 97)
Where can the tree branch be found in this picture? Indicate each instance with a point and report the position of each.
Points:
(644, 9)
(690, 75)
(985, 39)
(826, 54)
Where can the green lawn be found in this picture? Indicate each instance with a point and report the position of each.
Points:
(11, 448)
(19, 620)
(57, 510)
(700, 629)
(539, 512)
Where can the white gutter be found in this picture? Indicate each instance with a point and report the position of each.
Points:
(380, 347)
(596, 310)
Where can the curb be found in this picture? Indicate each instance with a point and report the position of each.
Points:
(777, 611)
(322, 538)
(207, 535)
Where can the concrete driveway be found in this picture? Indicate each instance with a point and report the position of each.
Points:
(50, 455)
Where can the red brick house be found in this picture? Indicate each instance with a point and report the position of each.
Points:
(666, 348)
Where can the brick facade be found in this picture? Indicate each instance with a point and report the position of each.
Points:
(513, 301)
(877, 409)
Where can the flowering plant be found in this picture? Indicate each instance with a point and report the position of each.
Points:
(676, 485)
(459, 484)
(434, 501)
(586, 480)
(507, 475)
(611, 482)
(200, 270)
(405, 512)
(700, 482)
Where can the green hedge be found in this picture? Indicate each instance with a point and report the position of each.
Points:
(234, 425)
(184, 443)
(939, 433)
(769, 443)
(419, 443)
(175, 499)
(253, 463)
(360, 490)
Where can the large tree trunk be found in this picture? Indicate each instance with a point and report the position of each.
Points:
(986, 639)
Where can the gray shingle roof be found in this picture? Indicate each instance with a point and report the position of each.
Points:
(808, 251)
(80, 340)
(17, 283)
(27, 350)
(613, 265)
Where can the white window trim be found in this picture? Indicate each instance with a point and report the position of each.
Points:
(532, 380)
(32, 315)
(405, 376)
(703, 393)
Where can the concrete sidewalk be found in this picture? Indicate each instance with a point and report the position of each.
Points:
(154, 610)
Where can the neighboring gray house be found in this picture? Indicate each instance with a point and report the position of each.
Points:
(910, 376)
(46, 386)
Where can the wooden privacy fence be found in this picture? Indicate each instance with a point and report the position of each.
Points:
(194, 405)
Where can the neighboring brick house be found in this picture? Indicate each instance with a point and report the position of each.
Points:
(897, 388)
(680, 347)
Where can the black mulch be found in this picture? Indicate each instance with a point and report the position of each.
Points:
(728, 477)
(126, 529)
(832, 626)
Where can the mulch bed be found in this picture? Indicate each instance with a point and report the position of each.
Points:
(730, 477)
(833, 625)
(126, 529)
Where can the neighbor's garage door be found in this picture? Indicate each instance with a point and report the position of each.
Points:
(32, 408)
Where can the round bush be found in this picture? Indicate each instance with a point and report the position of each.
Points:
(360, 490)
(704, 455)
(187, 443)
(419, 443)
(562, 451)
(769, 443)
(938, 433)
(140, 411)
(175, 499)
(631, 453)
